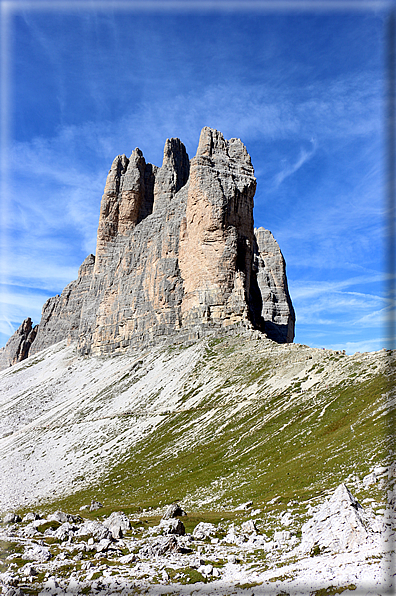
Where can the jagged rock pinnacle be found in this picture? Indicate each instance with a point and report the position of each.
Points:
(177, 255)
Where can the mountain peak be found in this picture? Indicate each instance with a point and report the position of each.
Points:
(177, 256)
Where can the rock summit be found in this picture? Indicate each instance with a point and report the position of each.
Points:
(177, 256)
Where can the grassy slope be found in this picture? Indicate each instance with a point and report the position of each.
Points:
(254, 422)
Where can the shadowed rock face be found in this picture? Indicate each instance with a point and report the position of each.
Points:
(18, 346)
(272, 308)
(176, 254)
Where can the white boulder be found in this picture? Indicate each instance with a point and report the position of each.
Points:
(204, 530)
(340, 524)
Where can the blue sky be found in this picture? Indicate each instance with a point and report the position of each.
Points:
(303, 87)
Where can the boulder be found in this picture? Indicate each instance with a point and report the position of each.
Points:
(204, 530)
(38, 553)
(282, 536)
(102, 545)
(205, 569)
(244, 506)
(63, 518)
(249, 527)
(29, 517)
(65, 531)
(74, 586)
(29, 570)
(95, 529)
(126, 559)
(339, 524)
(117, 523)
(162, 545)
(173, 526)
(51, 585)
(369, 480)
(11, 518)
(12, 591)
(174, 510)
(95, 505)
(8, 579)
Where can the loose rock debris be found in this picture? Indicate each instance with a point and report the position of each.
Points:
(342, 545)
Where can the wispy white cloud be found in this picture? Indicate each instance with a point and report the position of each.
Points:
(290, 169)
(6, 327)
(314, 289)
(377, 317)
(16, 305)
(334, 308)
(32, 271)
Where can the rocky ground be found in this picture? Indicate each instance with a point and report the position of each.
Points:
(256, 441)
(343, 545)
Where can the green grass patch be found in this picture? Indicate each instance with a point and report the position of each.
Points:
(7, 549)
(331, 590)
(288, 443)
(185, 575)
(49, 525)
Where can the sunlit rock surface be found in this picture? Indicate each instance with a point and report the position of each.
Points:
(177, 257)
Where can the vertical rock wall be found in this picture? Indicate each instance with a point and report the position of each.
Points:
(136, 287)
(18, 346)
(216, 245)
(274, 308)
(176, 254)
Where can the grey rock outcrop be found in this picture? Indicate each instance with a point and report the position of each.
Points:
(18, 346)
(62, 517)
(177, 257)
(160, 546)
(173, 510)
(117, 523)
(204, 530)
(271, 303)
(173, 526)
(95, 505)
(340, 523)
(95, 529)
(37, 553)
(11, 518)
(249, 527)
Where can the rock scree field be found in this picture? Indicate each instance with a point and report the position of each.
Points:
(251, 438)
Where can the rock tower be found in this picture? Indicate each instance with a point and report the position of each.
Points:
(177, 257)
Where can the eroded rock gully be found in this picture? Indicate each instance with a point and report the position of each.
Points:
(177, 255)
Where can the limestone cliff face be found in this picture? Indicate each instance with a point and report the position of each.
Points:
(274, 306)
(61, 315)
(136, 288)
(18, 346)
(177, 256)
(216, 236)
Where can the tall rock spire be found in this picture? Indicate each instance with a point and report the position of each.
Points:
(177, 257)
(216, 247)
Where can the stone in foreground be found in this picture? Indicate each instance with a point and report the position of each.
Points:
(340, 523)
